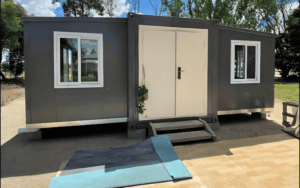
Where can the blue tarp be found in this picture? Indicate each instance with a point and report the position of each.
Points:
(142, 173)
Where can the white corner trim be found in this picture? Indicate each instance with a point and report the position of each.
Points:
(257, 63)
(56, 51)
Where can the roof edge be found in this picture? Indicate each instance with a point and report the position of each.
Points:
(225, 27)
(72, 19)
(174, 18)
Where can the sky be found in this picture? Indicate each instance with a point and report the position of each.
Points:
(45, 8)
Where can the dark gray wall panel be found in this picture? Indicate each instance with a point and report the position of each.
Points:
(245, 96)
(83, 110)
(50, 105)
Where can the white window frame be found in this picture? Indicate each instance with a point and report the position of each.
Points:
(257, 62)
(79, 36)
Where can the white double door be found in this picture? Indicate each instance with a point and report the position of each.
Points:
(162, 52)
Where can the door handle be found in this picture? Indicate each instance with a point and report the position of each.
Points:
(179, 72)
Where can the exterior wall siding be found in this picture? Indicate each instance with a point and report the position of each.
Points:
(117, 99)
(46, 104)
(245, 96)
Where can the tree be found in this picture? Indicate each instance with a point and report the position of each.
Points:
(135, 5)
(172, 6)
(280, 19)
(293, 28)
(16, 57)
(81, 8)
(283, 57)
(235, 13)
(287, 46)
(16, 66)
(109, 7)
(155, 8)
(286, 56)
(16, 54)
(10, 26)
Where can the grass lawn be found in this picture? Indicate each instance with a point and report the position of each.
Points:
(287, 92)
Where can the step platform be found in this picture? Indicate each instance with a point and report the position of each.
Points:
(184, 130)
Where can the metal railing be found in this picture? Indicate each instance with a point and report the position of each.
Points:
(285, 114)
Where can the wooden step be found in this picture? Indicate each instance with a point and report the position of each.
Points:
(166, 126)
(189, 136)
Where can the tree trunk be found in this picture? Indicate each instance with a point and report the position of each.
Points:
(1, 74)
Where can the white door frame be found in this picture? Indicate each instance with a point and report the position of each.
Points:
(143, 28)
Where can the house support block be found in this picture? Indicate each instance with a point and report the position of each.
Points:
(262, 115)
(136, 134)
(214, 126)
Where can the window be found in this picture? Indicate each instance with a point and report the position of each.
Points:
(245, 62)
(78, 60)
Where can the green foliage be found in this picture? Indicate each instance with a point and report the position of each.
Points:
(202, 9)
(283, 57)
(141, 99)
(16, 53)
(287, 47)
(244, 16)
(172, 6)
(5, 67)
(80, 8)
(11, 33)
(16, 57)
(10, 25)
(293, 28)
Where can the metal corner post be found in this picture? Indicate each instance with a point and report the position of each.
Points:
(27, 68)
(132, 71)
(215, 60)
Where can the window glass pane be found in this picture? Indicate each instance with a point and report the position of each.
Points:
(239, 68)
(89, 60)
(68, 60)
(251, 61)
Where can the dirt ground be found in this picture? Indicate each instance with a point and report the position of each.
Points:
(29, 162)
(11, 91)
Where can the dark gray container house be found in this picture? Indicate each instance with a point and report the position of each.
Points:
(192, 68)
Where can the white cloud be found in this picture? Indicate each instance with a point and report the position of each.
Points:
(43, 8)
(122, 7)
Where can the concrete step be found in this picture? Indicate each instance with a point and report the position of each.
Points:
(166, 126)
(184, 130)
(189, 136)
